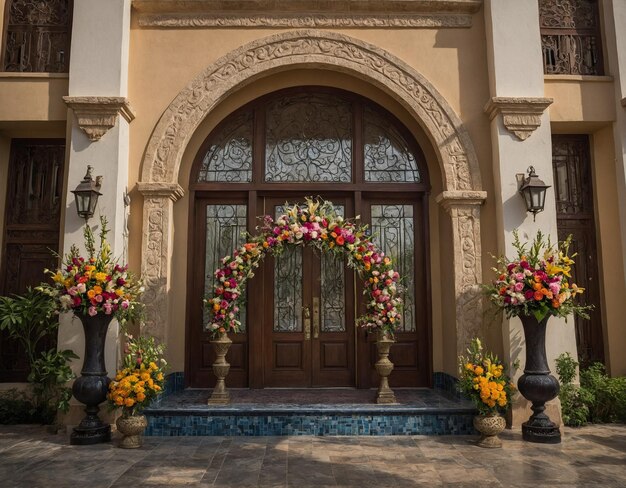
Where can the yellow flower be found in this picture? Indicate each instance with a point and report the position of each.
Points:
(141, 397)
(145, 376)
(153, 365)
(58, 277)
(100, 277)
(478, 370)
(129, 402)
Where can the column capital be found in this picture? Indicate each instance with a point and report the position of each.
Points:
(521, 115)
(96, 115)
(173, 191)
(454, 199)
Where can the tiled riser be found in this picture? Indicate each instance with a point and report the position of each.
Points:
(226, 425)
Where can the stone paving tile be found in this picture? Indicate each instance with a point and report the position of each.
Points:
(593, 456)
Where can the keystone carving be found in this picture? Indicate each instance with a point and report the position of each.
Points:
(521, 116)
(96, 115)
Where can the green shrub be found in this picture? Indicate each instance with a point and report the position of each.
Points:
(29, 319)
(574, 409)
(599, 398)
(607, 396)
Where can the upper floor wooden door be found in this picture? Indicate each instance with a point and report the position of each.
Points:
(573, 188)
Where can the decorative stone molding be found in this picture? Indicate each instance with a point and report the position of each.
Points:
(319, 50)
(521, 116)
(464, 209)
(158, 204)
(306, 13)
(323, 51)
(316, 20)
(96, 115)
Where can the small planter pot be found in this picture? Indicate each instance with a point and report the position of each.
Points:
(489, 427)
(132, 427)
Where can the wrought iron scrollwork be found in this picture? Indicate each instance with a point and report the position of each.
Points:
(309, 138)
(229, 157)
(38, 36)
(570, 37)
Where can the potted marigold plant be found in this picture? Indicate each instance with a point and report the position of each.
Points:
(136, 385)
(483, 379)
(96, 289)
(534, 286)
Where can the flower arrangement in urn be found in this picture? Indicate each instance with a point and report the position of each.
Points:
(141, 378)
(483, 379)
(96, 283)
(315, 223)
(537, 281)
(136, 385)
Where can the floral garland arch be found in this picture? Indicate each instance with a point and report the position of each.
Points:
(315, 223)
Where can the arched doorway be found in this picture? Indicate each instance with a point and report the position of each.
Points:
(299, 318)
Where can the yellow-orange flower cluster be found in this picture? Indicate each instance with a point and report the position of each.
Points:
(482, 378)
(132, 389)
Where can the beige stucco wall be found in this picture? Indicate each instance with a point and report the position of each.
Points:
(452, 60)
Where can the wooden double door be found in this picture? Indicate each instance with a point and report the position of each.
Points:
(300, 307)
(308, 314)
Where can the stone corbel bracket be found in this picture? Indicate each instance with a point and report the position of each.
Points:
(96, 115)
(520, 115)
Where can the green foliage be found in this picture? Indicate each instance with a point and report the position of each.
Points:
(49, 375)
(599, 398)
(29, 319)
(607, 396)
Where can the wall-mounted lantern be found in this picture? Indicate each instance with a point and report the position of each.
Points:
(533, 190)
(86, 194)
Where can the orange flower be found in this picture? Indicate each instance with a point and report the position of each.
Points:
(340, 240)
(91, 293)
(556, 304)
(538, 296)
(537, 286)
(97, 289)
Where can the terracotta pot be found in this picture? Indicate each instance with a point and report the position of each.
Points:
(489, 427)
(132, 427)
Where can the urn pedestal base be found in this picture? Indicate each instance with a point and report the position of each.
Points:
(384, 367)
(220, 395)
(489, 427)
(540, 430)
(84, 436)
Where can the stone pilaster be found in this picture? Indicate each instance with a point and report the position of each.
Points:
(516, 84)
(464, 210)
(158, 206)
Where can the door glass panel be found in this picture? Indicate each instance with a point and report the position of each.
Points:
(225, 227)
(288, 290)
(387, 156)
(333, 289)
(309, 138)
(392, 227)
(229, 157)
(333, 294)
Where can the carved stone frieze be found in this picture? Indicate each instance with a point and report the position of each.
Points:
(520, 115)
(316, 20)
(96, 115)
(464, 210)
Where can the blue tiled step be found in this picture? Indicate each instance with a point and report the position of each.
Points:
(310, 412)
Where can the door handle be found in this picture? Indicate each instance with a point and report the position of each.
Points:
(307, 323)
(316, 317)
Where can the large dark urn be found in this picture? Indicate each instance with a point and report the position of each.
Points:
(93, 385)
(537, 384)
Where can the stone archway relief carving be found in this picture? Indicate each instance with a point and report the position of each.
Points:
(327, 51)
(462, 195)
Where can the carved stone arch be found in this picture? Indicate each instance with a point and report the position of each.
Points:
(462, 185)
(323, 50)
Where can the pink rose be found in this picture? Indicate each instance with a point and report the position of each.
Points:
(519, 286)
(92, 311)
